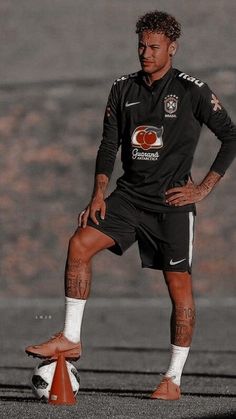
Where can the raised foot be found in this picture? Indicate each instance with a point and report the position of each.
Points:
(57, 344)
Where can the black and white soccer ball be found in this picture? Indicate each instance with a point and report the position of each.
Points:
(41, 379)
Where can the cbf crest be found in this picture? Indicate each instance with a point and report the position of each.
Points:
(171, 106)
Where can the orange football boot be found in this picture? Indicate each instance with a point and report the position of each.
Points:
(55, 345)
(167, 390)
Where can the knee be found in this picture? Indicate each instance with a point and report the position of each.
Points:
(179, 284)
(77, 248)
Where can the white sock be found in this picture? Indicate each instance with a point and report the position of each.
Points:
(179, 356)
(73, 318)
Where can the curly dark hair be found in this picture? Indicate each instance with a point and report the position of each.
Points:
(159, 22)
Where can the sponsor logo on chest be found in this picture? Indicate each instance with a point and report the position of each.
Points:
(170, 106)
(145, 138)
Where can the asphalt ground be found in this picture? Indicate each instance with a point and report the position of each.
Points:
(125, 348)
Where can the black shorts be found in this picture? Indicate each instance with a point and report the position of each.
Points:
(165, 240)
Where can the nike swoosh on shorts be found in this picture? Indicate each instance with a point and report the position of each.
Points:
(176, 262)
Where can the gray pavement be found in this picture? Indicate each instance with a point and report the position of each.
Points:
(125, 344)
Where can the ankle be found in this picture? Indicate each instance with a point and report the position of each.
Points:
(73, 318)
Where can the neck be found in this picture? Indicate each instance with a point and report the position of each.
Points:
(150, 78)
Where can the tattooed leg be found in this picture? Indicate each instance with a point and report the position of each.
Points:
(183, 307)
(77, 278)
(83, 245)
(182, 324)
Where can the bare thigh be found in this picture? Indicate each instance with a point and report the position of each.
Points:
(89, 241)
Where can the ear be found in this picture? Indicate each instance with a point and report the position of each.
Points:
(173, 48)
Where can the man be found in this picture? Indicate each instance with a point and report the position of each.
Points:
(156, 116)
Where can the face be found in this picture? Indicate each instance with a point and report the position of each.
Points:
(155, 51)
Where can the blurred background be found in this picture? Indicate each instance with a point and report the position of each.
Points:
(58, 60)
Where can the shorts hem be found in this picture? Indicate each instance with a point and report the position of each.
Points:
(116, 248)
(162, 268)
(189, 270)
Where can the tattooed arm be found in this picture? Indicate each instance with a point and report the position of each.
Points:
(209, 111)
(97, 202)
(105, 159)
(191, 193)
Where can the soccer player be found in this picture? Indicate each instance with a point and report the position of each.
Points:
(156, 116)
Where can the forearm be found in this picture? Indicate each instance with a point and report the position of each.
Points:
(208, 183)
(191, 193)
(97, 202)
(100, 185)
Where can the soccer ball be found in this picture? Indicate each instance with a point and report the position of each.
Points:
(41, 379)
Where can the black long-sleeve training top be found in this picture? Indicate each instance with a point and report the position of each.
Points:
(158, 128)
